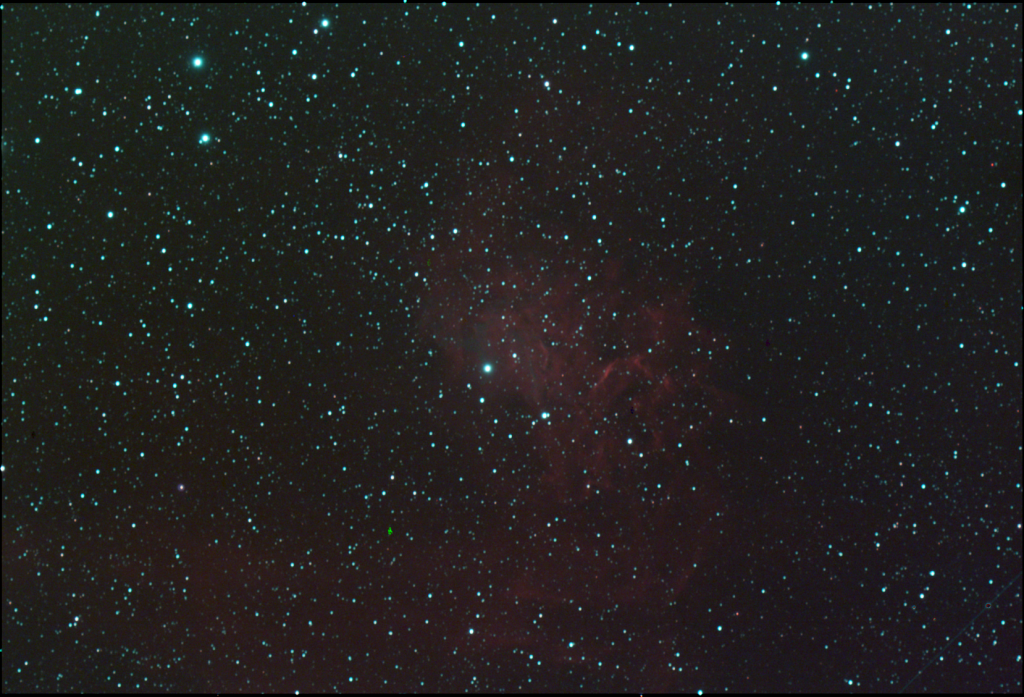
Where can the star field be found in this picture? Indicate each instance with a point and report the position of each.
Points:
(424, 348)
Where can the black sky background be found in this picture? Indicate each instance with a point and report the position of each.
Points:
(249, 437)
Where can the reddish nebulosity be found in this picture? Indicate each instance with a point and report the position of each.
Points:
(598, 350)
(613, 376)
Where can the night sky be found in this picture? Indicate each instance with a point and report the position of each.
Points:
(461, 348)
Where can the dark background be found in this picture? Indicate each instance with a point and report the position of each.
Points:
(748, 279)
